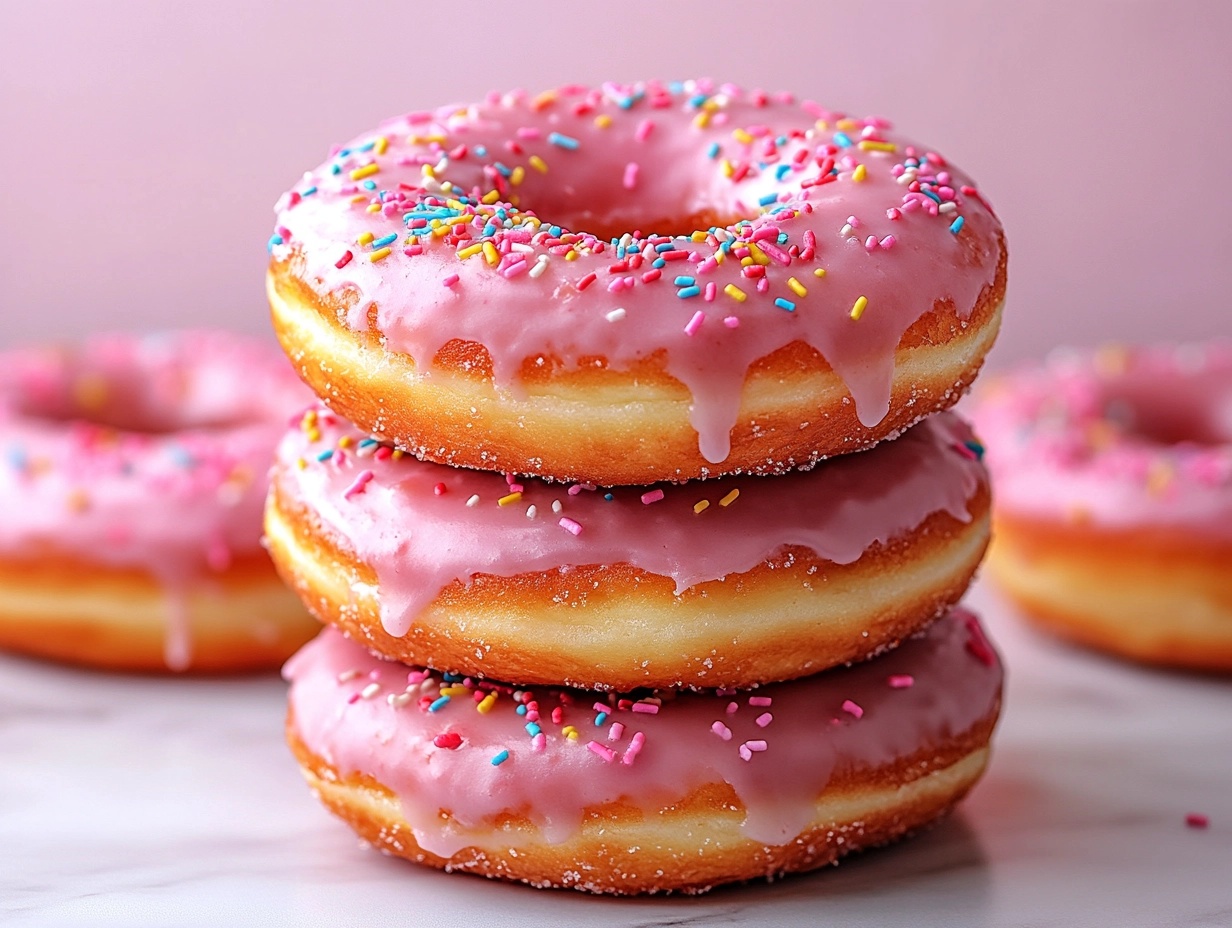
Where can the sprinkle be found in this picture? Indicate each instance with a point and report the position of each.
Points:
(646, 708)
(364, 238)
(473, 501)
(732, 708)
(735, 293)
(449, 740)
(956, 225)
(643, 130)
(348, 675)
(509, 500)
(764, 719)
(344, 260)
(601, 750)
(852, 708)
(722, 731)
(652, 496)
(563, 141)
(859, 173)
(573, 528)
(819, 272)
(728, 500)
(379, 255)
(615, 315)
(901, 681)
(634, 748)
(451, 280)
(696, 322)
(541, 265)
(439, 704)
(761, 700)
(687, 292)
(749, 748)
(701, 506)
(785, 304)
(484, 706)
(366, 171)
(538, 164)
(617, 729)
(385, 240)
(630, 178)
(732, 322)
(796, 287)
(858, 309)
(1197, 820)
(439, 489)
(370, 690)
(500, 758)
(361, 481)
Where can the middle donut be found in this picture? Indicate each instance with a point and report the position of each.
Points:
(734, 582)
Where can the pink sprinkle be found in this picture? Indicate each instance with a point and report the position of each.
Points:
(539, 743)
(732, 322)
(586, 281)
(643, 130)
(978, 645)
(451, 280)
(852, 709)
(871, 243)
(439, 489)
(579, 487)
(602, 750)
(775, 253)
(361, 481)
(732, 707)
(894, 213)
(888, 242)
(652, 496)
(745, 753)
(631, 170)
(749, 748)
(1197, 820)
(573, 528)
(901, 681)
(513, 270)
(760, 700)
(722, 731)
(695, 323)
(634, 748)
(711, 291)
(764, 719)
(853, 222)
(649, 708)
(617, 729)
(558, 715)
(601, 707)
(344, 260)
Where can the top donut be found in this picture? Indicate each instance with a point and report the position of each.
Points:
(629, 284)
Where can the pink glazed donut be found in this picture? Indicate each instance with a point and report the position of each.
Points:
(729, 582)
(132, 475)
(632, 284)
(1113, 504)
(652, 792)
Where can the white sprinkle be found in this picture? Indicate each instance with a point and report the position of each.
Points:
(398, 700)
(370, 690)
(531, 511)
(347, 675)
(473, 501)
(540, 266)
(557, 507)
(615, 315)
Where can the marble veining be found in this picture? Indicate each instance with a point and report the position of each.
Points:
(146, 802)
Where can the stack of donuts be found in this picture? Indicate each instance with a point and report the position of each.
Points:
(613, 602)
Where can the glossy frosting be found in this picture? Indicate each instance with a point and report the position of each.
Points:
(777, 746)
(423, 526)
(562, 226)
(1121, 438)
(141, 452)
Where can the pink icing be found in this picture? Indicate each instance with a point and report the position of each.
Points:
(777, 750)
(411, 522)
(1122, 438)
(797, 190)
(146, 453)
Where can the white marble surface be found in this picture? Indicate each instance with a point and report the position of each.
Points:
(134, 801)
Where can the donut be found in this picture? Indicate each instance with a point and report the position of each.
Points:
(132, 477)
(633, 284)
(732, 582)
(648, 792)
(1113, 517)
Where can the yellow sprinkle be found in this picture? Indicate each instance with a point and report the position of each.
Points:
(374, 207)
(364, 238)
(729, 498)
(490, 197)
(741, 136)
(314, 436)
(344, 441)
(603, 120)
(428, 171)
(701, 120)
(382, 144)
(821, 125)
(538, 164)
(757, 254)
(847, 125)
(490, 254)
(454, 691)
(859, 173)
(796, 287)
(871, 145)
(515, 178)
(726, 167)
(710, 106)
(398, 454)
(858, 310)
(545, 99)
(301, 463)
(441, 230)
(470, 251)
(359, 198)
(509, 500)
(380, 254)
(746, 261)
(735, 293)
(571, 255)
(485, 705)
(698, 236)
(819, 272)
(701, 506)
(366, 171)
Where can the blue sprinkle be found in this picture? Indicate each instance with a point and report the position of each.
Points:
(563, 141)
(335, 169)
(781, 238)
(345, 152)
(932, 196)
(439, 704)
(688, 292)
(975, 448)
(368, 443)
(451, 677)
(697, 100)
(956, 225)
(785, 304)
(767, 199)
(481, 151)
(600, 719)
(658, 263)
(781, 170)
(369, 185)
(532, 728)
(683, 281)
(554, 231)
(385, 240)
(500, 758)
(488, 230)
(609, 497)
(309, 192)
(664, 246)
(712, 150)
(502, 169)
(520, 710)
(842, 140)
(367, 146)
(325, 455)
(274, 240)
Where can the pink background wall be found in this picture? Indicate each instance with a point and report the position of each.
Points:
(142, 145)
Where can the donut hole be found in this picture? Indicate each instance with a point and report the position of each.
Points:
(1163, 418)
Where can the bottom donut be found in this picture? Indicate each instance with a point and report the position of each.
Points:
(650, 792)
